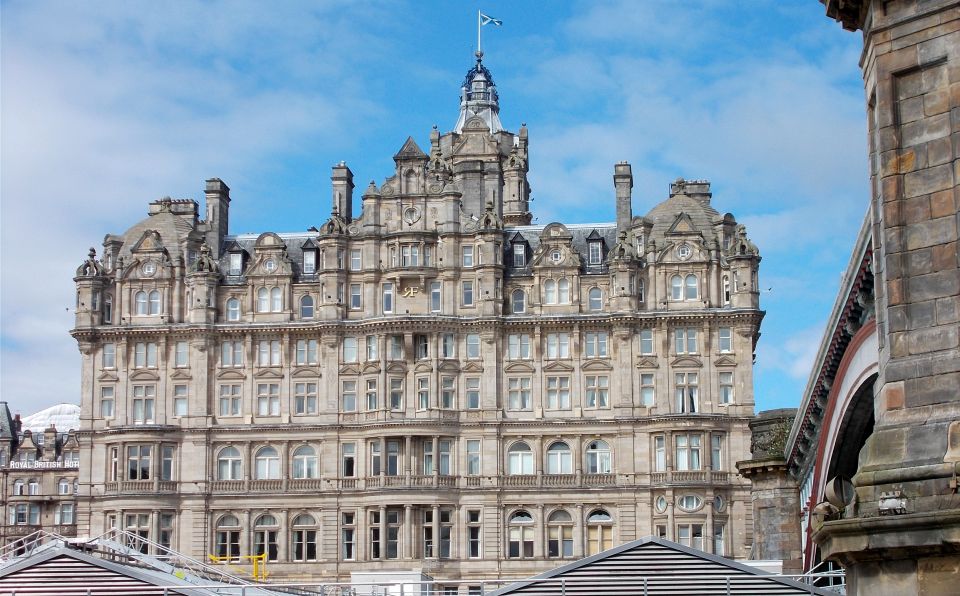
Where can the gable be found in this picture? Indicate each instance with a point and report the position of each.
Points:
(682, 224)
(60, 572)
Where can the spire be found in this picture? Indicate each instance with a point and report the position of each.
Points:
(478, 97)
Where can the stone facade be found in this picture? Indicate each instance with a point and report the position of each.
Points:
(38, 479)
(434, 384)
(903, 532)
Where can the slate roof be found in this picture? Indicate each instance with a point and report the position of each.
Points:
(656, 567)
(665, 213)
(7, 430)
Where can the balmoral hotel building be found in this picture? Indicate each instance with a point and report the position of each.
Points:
(427, 381)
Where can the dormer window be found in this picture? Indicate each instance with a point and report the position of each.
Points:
(519, 254)
(309, 261)
(596, 252)
(236, 263)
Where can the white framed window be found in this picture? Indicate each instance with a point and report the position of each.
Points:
(646, 341)
(145, 355)
(348, 536)
(518, 393)
(230, 400)
(563, 291)
(448, 392)
(276, 300)
(641, 289)
(473, 346)
(348, 396)
(687, 452)
(473, 457)
(690, 535)
(519, 254)
(64, 514)
(236, 263)
(520, 536)
(231, 353)
(558, 345)
(305, 462)
(348, 460)
(660, 456)
(560, 535)
(309, 261)
(268, 399)
(472, 393)
(436, 302)
(467, 256)
(304, 538)
(233, 309)
(180, 403)
(598, 458)
(107, 395)
(396, 394)
(267, 464)
(685, 340)
(595, 253)
(599, 532)
(356, 298)
(559, 459)
(140, 303)
(350, 351)
(372, 396)
(550, 291)
(306, 307)
(387, 301)
(726, 340)
(144, 397)
(340, 259)
(597, 391)
(108, 355)
(726, 289)
(518, 302)
(595, 299)
(676, 287)
(448, 346)
(647, 389)
(423, 393)
(421, 344)
(719, 543)
(154, 302)
(518, 346)
(307, 351)
(519, 459)
(726, 387)
(686, 393)
(558, 393)
(716, 455)
(305, 398)
(138, 462)
(689, 502)
(410, 255)
(355, 262)
(268, 352)
(181, 358)
(595, 344)
(263, 300)
(467, 293)
(690, 287)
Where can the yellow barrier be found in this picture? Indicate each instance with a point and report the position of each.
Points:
(259, 563)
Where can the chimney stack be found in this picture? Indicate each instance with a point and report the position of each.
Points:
(623, 183)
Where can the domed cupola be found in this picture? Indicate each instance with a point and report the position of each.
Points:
(478, 97)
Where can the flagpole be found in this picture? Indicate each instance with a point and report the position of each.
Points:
(478, 32)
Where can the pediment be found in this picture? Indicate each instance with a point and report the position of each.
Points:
(371, 368)
(397, 367)
(349, 369)
(517, 367)
(725, 361)
(281, 264)
(597, 365)
(145, 375)
(231, 375)
(682, 224)
(449, 366)
(149, 242)
(472, 366)
(687, 362)
(269, 240)
(304, 372)
(556, 365)
(268, 373)
(107, 377)
(423, 367)
(410, 150)
(645, 362)
(181, 374)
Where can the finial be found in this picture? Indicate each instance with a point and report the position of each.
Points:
(479, 55)
(93, 253)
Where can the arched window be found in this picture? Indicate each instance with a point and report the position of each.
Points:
(18, 488)
(263, 300)
(518, 301)
(519, 459)
(140, 300)
(33, 486)
(267, 464)
(559, 459)
(676, 287)
(305, 462)
(599, 532)
(155, 302)
(229, 464)
(304, 538)
(598, 458)
(306, 307)
(595, 299)
(560, 534)
(520, 536)
(63, 487)
(107, 309)
(233, 309)
(691, 287)
(563, 291)
(228, 538)
(265, 531)
(550, 292)
(726, 289)
(276, 300)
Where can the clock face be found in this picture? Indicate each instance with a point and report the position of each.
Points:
(270, 265)
(148, 268)
(684, 251)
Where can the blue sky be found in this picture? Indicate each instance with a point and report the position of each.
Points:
(109, 105)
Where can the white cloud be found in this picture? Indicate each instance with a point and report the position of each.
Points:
(794, 356)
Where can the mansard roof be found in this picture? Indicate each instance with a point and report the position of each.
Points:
(701, 216)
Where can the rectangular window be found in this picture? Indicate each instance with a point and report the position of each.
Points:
(558, 345)
(268, 399)
(387, 301)
(596, 253)
(448, 346)
(106, 402)
(179, 400)
(686, 393)
(597, 391)
(660, 454)
(410, 255)
(686, 340)
(716, 452)
(422, 346)
(726, 340)
(690, 535)
(348, 537)
(396, 347)
(236, 263)
(518, 393)
(467, 287)
(448, 392)
(646, 341)
(138, 462)
(166, 462)
(354, 259)
(309, 261)
(467, 252)
(687, 452)
(560, 541)
(375, 543)
(145, 355)
(340, 292)
(371, 395)
(356, 302)
(473, 457)
(348, 396)
(268, 353)
(375, 468)
(558, 393)
(305, 398)
(396, 394)
(595, 345)
(340, 258)
(393, 458)
(719, 547)
(64, 514)
(473, 346)
(474, 542)
(519, 254)
(181, 354)
(518, 346)
(647, 393)
(229, 400)
(143, 400)
(109, 355)
(427, 458)
(373, 351)
(231, 353)
(307, 351)
(423, 393)
(435, 296)
(349, 460)
(350, 349)
(726, 388)
(473, 393)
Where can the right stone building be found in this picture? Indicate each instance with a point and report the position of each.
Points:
(886, 383)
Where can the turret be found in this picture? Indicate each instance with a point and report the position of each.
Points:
(478, 97)
(91, 279)
(218, 214)
(342, 179)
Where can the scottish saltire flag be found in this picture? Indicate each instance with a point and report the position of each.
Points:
(485, 20)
